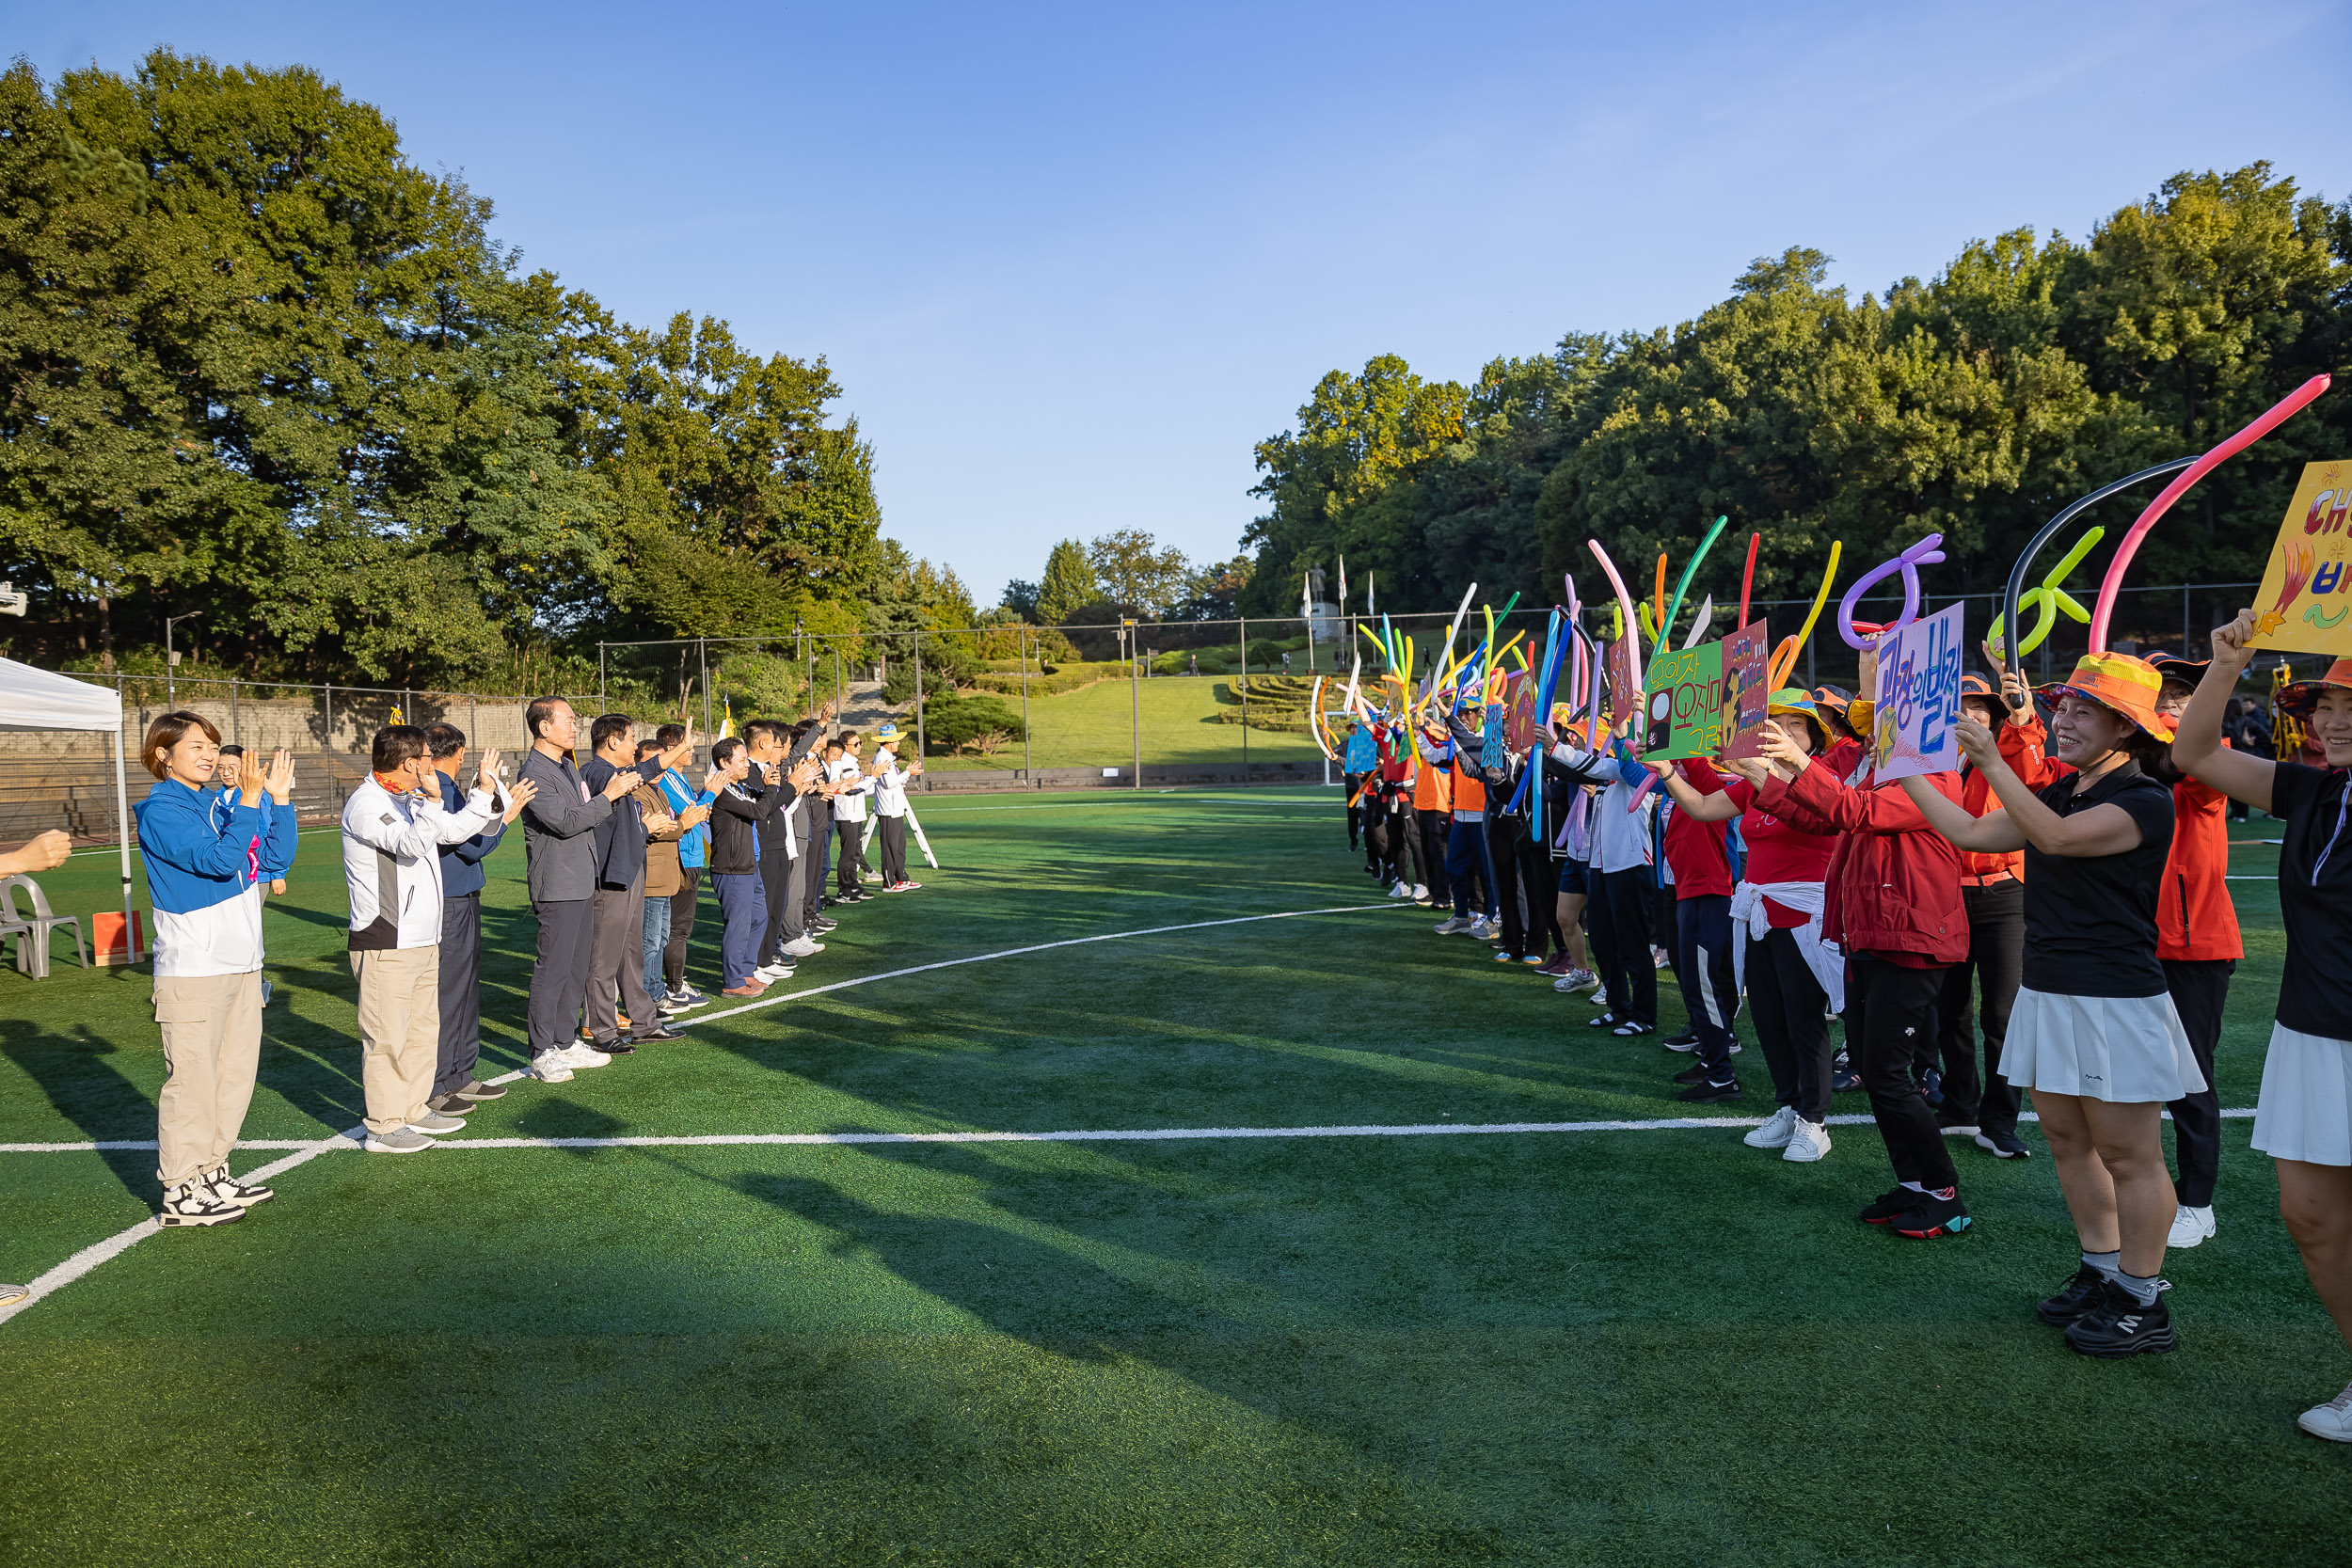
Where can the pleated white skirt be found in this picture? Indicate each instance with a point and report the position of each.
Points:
(2125, 1050)
(2306, 1109)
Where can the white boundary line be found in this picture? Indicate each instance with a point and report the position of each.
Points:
(1146, 1135)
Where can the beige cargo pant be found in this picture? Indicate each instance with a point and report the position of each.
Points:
(400, 1032)
(212, 1030)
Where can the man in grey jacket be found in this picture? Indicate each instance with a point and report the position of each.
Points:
(616, 969)
(559, 854)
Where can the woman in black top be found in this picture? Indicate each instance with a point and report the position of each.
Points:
(2095, 1035)
(2304, 1119)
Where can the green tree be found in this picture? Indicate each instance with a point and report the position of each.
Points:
(1069, 582)
(1132, 568)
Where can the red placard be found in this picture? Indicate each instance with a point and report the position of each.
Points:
(1747, 696)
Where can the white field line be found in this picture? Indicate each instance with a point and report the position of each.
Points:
(1090, 1135)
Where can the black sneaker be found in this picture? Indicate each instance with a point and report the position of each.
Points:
(245, 1195)
(1949, 1120)
(2117, 1325)
(1707, 1092)
(612, 1047)
(2003, 1143)
(195, 1203)
(1882, 1208)
(2084, 1290)
(1931, 1216)
(1687, 1040)
(1695, 1073)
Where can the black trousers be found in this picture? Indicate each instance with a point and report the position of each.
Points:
(1702, 948)
(1504, 834)
(1436, 827)
(2200, 988)
(1617, 915)
(892, 834)
(813, 863)
(559, 982)
(1349, 783)
(850, 858)
(681, 927)
(775, 882)
(1996, 959)
(461, 993)
(1889, 1009)
(1539, 884)
(1790, 1010)
(1405, 844)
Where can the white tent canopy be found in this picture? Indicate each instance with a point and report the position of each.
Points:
(34, 699)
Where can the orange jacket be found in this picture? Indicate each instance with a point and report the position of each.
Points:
(1468, 794)
(2022, 748)
(2195, 917)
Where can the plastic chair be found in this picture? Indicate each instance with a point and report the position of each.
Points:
(32, 935)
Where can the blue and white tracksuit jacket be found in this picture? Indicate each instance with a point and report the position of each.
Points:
(207, 855)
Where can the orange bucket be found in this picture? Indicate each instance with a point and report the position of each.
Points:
(114, 937)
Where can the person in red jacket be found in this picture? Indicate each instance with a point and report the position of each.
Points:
(1891, 902)
(2198, 944)
(1994, 897)
(2095, 1036)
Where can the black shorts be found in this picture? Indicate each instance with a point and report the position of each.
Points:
(1572, 877)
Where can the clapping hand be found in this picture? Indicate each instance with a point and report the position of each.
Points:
(660, 822)
(521, 796)
(621, 783)
(487, 777)
(277, 781)
(693, 817)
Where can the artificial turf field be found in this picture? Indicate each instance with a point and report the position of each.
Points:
(1608, 1347)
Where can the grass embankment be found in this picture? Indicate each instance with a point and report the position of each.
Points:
(1096, 727)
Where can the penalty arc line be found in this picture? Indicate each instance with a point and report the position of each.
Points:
(113, 1246)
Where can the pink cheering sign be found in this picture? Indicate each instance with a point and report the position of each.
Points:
(1917, 696)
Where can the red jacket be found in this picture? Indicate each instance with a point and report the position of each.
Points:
(2022, 748)
(1894, 883)
(2195, 917)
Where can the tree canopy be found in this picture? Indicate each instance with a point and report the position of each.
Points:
(260, 366)
(1976, 403)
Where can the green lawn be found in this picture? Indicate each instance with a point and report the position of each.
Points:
(1631, 1347)
(1097, 726)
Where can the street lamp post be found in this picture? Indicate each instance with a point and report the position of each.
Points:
(171, 660)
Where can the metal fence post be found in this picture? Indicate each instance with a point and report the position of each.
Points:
(1028, 768)
(918, 696)
(1135, 693)
(327, 696)
(1244, 702)
(702, 652)
(601, 704)
(235, 734)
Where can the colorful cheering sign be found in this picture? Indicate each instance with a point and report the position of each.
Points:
(1917, 699)
(2305, 603)
(1684, 708)
(1747, 690)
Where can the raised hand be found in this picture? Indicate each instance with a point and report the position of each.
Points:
(683, 752)
(488, 776)
(1976, 743)
(1782, 752)
(519, 797)
(280, 781)
(2019, 696)
(2232, 644)
(1751, 768)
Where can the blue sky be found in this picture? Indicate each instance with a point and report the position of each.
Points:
(1069, 264)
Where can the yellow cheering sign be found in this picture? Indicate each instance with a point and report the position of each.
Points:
(2305, 603)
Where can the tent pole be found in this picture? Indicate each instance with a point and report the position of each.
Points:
(123, 827)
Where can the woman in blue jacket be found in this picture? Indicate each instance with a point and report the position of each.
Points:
(207, 859)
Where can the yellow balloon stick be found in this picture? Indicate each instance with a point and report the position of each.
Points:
(1829, 577)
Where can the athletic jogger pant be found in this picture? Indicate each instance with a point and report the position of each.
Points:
(1464, 854)
(212, 1029)
(1616, 916)
(682, 928)
(1703, 966)
(894, 850)
(559, 982)
(1788, 1004)
(616, 969)
(1504, 835)
(1539, 884)
(2200, 988)
(1889, 1008)
(461, 993)
(1437, 828)
(851, 858)
(1997, 960)
(743, 920)
(1405, 864)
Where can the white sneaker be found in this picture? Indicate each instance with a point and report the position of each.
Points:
(1420, 893)
(2190, 1226)
(1774, 1133)
(549, 1067)
(400, 1140)
(579, 1053)
(2333, 1420)
(803, 947)
(1809, 1141)
(436, 1123)
(772, 973)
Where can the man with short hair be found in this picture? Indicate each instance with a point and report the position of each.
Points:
(736, 814)
(560, 857)
(616, 964)
(775, 750)
(853, 790)
(455, 1089)
(392, 836)
(664, 875)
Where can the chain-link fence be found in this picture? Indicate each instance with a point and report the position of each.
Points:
(1141, 703)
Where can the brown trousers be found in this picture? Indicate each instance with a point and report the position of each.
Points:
(400, 1031)
(212, 1029)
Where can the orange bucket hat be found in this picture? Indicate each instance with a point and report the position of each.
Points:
(2297, 700)
(2120, 681)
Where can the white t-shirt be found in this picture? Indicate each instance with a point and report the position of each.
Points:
(850, 805)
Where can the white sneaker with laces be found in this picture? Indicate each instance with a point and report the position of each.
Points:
(1420, 893)
(1449, 925)
(804, 947)
(1774, 1133)
(1486, 930)
(772, 973)
(1808, 1141)
(436, 1123)
(2190, 1226)
(549, 1067)
(579, 1053)
(2333, 1420)
(400, 1140)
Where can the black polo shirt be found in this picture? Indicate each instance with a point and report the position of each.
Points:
(2316, 897)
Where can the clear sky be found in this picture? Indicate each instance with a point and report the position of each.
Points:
(1069, 264)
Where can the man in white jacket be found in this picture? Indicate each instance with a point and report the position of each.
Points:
(394, 828)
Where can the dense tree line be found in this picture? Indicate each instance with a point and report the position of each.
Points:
(260, 366)
(1975, 403)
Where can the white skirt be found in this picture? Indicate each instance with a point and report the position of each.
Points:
(2305, 1112)
(2125, 1050)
